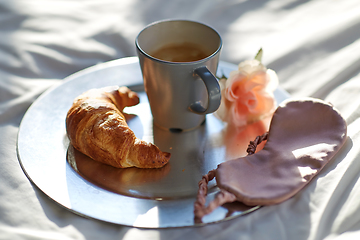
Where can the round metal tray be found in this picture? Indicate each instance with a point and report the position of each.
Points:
(147, 198)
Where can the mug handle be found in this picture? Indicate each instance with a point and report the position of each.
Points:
(213, 89)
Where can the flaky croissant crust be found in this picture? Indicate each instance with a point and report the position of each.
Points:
(96, 126)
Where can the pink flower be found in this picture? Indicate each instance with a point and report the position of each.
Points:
(247, 95)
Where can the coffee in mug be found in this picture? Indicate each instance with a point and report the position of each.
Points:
(180, 52)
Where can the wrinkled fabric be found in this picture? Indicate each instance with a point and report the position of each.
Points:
(313, 46)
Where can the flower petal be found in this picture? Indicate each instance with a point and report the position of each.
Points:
(273, 81)
(236, 88)
(257, 80)
(250, 66)
(239, 114)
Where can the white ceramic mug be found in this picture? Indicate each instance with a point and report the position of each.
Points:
(178, 60)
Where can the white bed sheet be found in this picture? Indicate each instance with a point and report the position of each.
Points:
(314, 46)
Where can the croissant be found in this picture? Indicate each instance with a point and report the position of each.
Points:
(96, 126)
